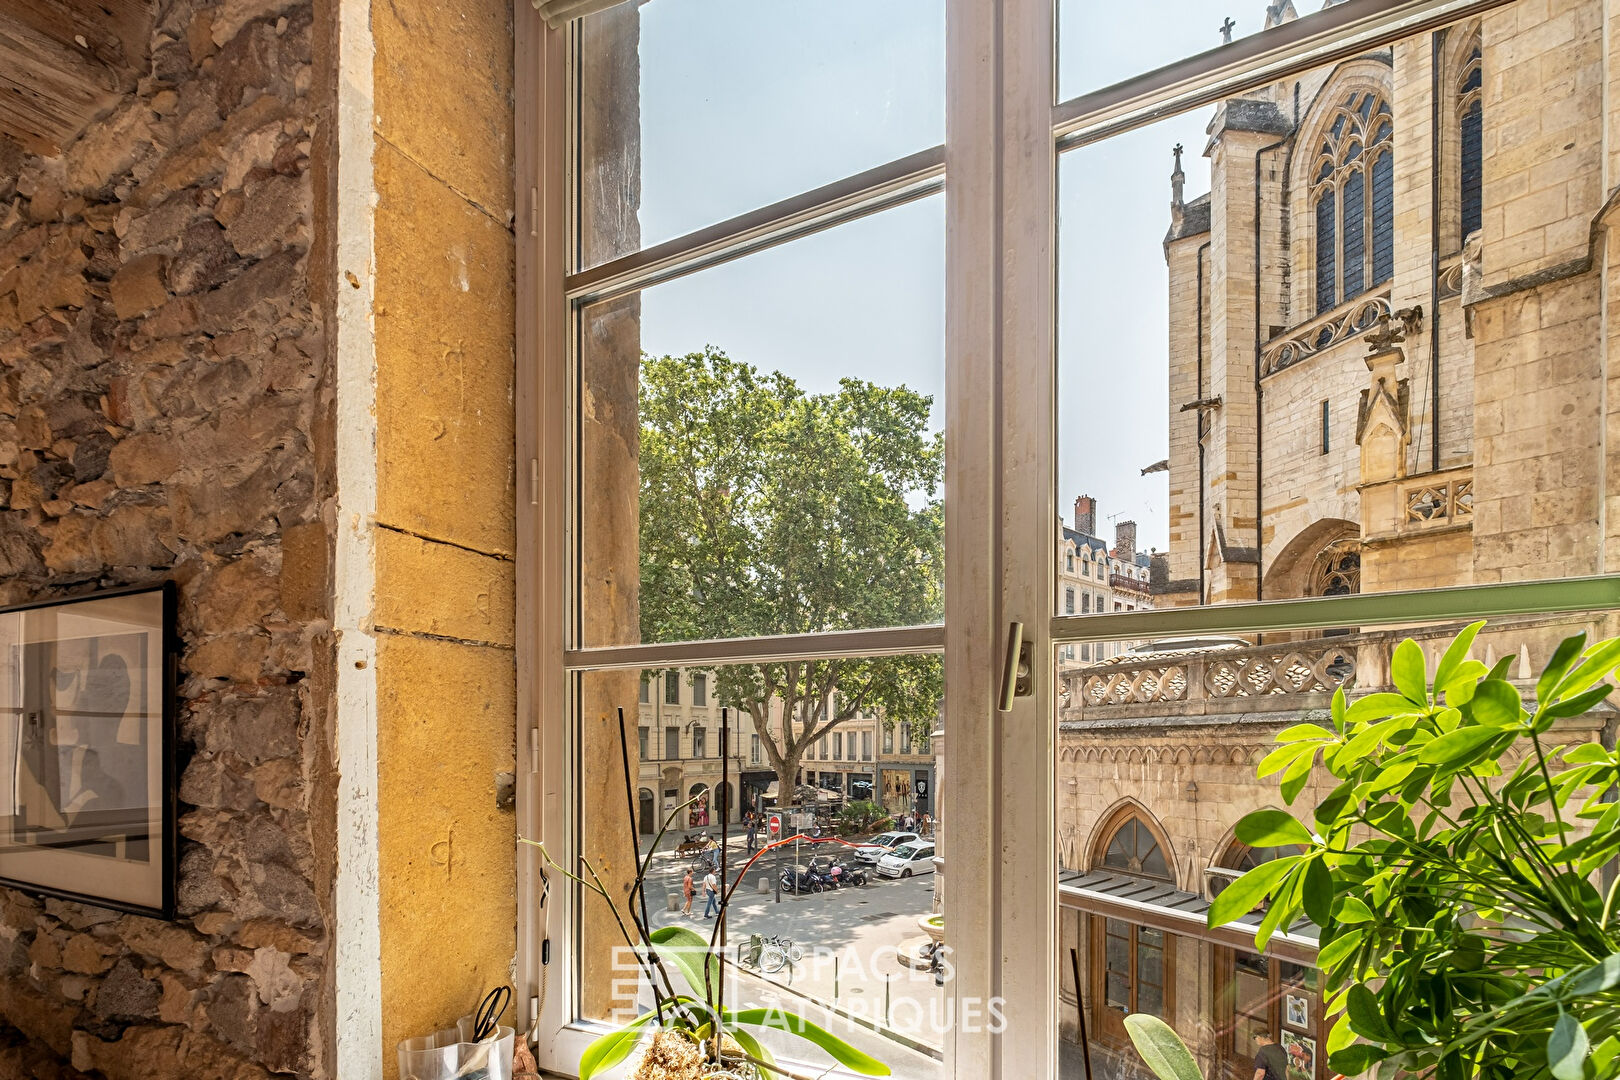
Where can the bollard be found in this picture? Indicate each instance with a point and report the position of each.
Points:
(764, 885)
(672, 901)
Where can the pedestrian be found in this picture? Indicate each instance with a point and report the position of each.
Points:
(753, 833)
(686, 888)
(711, 895)
(1270, 1060)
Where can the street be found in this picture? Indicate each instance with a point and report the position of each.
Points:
(850, 979)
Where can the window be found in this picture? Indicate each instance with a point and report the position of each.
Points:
(821, 749)
(888, 739)
(672, 744)
(672, 688)
(866, 746)
(700, 690)
(641, 738)
(753, 750)
(1068, 560)
(1471, 132)
(1068, 601)
(838, 745)
(642, 695)
(1185, 390)
(1085, 603)
(1354, 215)
(700, 742)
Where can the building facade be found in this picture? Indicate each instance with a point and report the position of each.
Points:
(1386, 371)
(679, 744)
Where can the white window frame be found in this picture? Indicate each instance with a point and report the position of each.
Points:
(1004, 137)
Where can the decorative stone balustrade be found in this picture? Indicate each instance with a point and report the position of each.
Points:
(1344, 322)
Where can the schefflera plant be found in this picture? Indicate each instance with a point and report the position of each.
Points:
(1456, 870)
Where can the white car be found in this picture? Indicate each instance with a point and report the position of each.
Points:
(908, 859)
(881, 844)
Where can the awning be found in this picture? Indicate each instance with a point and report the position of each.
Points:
(1164, 907)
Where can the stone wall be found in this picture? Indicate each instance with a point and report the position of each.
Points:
(162, 354)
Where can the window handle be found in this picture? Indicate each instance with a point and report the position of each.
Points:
(1015, 668)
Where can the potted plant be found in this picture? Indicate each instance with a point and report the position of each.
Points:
(1462, 871)
(691, 1033)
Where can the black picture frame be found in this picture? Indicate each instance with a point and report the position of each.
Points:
(67, 807)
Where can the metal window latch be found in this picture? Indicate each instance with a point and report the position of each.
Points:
(1016, 669)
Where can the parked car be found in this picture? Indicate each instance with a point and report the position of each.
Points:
(881, 844)
(908, 859)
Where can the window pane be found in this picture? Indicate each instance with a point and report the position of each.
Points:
(761, 442)
(741, 104)
(1465, 389)
(1101, 43)
(1157, 757)
(857, 969)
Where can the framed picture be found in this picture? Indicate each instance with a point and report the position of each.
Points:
(87, 778)
(1301, 1053)
(1297, 1011)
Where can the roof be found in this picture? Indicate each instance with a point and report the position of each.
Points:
(1194, 219)
(1173, 909)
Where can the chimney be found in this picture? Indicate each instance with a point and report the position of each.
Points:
(1125, 541)
(1085, 516)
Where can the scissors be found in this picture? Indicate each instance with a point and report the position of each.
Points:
(490, 1011)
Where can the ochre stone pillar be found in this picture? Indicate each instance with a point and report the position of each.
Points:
(445, 537)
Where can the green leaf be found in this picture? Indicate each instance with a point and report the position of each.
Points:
(1356, 1059)
(1303, 731)
(1318, 892)
(689, 952)
(840, 1051)
(1161, 1048)
(1567, 1048)
(1377, 707)
(1337, 950)
(751, 1046)
(1281, 758)
(1455, 654)
(1563, 658)
(1600, 663)
(1587, 754)
(1367, 1016)
(1580, 703)
(1338, 709)
(1240, 897)
(1352, 910)
(1406, 670)
(1604, 975)
(1456, 747)
(1297, 776)
(612, 1048)
(1500, 669)
(1496, 702)
(1271, 828)
(1330, 809)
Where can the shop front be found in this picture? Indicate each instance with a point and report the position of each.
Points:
(1133, 944)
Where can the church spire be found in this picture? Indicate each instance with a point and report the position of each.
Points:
(1279, 12)
(1177, 180)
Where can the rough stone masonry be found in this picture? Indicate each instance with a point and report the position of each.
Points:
(163, 414)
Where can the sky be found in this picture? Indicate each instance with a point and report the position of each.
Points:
(745, 102)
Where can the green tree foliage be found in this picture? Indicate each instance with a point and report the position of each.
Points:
(1456, 870)
(769, 510)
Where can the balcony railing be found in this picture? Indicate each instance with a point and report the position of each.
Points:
(1286, 676)
(1348, 320)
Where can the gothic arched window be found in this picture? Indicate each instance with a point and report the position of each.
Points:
(1133, 849)
(1471, 129)
(1353, 189)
